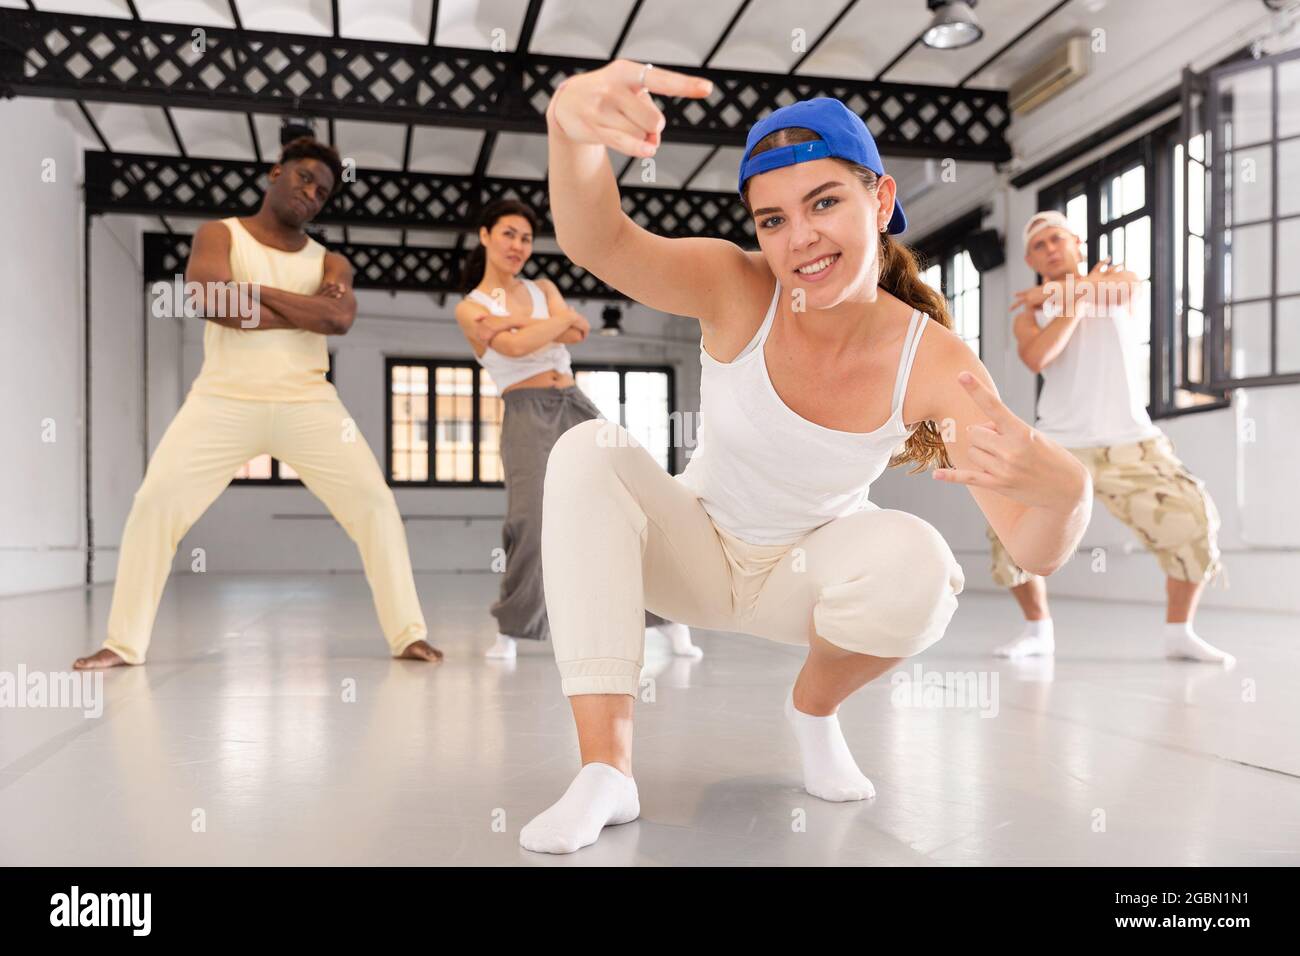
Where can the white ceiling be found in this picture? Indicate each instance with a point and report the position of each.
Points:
(669, 32)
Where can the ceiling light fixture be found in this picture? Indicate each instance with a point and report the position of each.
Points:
(954, 25)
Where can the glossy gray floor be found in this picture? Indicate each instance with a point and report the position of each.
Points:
(270, 727)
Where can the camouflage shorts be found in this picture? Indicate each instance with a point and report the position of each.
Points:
(1145, 486)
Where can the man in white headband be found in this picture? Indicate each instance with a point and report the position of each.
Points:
(1077, 332)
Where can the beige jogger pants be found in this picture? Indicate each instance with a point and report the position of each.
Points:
(619, 534)
(203, 447)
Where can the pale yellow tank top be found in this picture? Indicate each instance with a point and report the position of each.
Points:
(276, 365)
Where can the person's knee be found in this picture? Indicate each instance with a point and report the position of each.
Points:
(901, 598)
(583, 455)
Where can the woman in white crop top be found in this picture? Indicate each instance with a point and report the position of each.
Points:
(518, 329)
(825, 359)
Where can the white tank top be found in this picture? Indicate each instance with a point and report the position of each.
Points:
(504, 369)
(270, 365)
(1090, 391)
(767, 475)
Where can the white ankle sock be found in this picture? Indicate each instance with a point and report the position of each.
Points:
(599, 796)
(1036, 640)
(829, 770)
(1182, 643)
(679, 635)
(503, 649)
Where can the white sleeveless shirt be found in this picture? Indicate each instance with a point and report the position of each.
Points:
(1090, 390)
(506, 370)
(767, 475)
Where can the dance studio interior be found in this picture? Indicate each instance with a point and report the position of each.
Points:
(333, 545)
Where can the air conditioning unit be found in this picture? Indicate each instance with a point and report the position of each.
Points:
(1067, 65)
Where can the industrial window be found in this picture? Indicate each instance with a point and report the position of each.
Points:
(444, 417)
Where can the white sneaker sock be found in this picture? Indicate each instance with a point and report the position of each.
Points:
(679, 635)
(829, 770)
(599, 796)
(1036, 640)
(1182, 643)
(503, 649)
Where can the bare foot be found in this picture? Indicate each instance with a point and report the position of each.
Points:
(421, 651)
(98, 661)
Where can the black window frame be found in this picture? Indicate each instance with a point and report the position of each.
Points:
(432, 364)
(1219, 371)
(940, 246)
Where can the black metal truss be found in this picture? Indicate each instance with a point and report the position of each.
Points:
(392, 267)
(150, 184)
(157, 64)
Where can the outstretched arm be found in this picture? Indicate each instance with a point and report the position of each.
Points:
(1035, 494)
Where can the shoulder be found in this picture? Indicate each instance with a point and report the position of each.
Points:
(216, 229)
(940, 357)
(545, 284)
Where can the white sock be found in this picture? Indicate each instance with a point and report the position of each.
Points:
(1036, 640)
(679, 635)
(599, 796)
(829, 770)
(503, 649)
(1181, 643)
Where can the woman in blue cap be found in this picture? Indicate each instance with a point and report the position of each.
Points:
(816, 374)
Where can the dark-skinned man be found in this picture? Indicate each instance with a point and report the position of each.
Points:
(262, 390)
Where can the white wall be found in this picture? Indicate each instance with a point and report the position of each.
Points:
(1245, 480)
(42, 527)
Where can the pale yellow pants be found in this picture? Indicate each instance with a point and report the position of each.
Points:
(619, 534)
(206, 443)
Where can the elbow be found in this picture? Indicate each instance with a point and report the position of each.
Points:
(504, 344)
(1031, 363)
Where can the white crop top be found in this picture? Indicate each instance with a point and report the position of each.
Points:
(766, 474)
(504, 369)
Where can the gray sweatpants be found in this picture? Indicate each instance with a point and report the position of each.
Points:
(533, 420)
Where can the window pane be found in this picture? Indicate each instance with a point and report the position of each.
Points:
(410, 422)
(1196, 199)
(1288, 95)
(1252, 183)
(1133, 190)
(647, 412)
(602, 389)
(1076, 212)
(932, 277)
(1248, 335)
(1288, 335)
(287, 473)
(1288, 184)
(453, 413)
(1137, 246)
(1288, 241)
(491, 409)
(257, 468)
(1248, 107)
(1250, 251)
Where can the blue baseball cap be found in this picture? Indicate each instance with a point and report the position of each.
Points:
(843, 135)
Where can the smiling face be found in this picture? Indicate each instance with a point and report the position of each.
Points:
(1053, 253)
(298, 190)
(508, 244)
(818, 225)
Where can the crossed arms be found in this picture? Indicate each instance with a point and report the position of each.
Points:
(330, 310)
